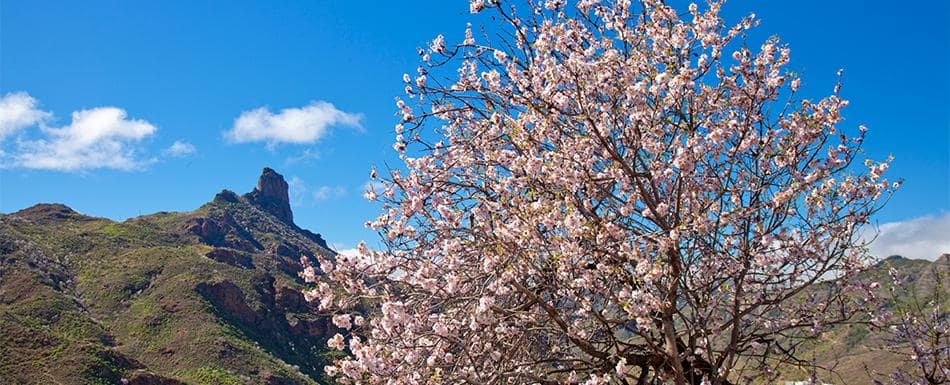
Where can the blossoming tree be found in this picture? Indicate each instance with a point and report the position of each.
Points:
(604, 192)
(917, 330)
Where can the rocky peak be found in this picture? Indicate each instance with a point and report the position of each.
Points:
(48, 212)
(272, 185)
(227, 196)
(272, 196)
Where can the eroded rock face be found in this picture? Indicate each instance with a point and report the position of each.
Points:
(260, 220)
(229, 298)
(231, 257)
(222, 230)
(269, 318)
(277, 317)
(271, 194)
(210, 230)
(287, 257)
(315, 327)
(291, 300)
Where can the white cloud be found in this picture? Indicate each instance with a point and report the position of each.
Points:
(100, 137)
(349, 252)
(96, 138)
(290, 125)
(19, 110)
(180, 149)
(920, 238)
(323, 193)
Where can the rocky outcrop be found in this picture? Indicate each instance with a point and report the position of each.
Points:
(291, 300)
(315, 327)
(227, 196)
(271, 194)
(268, 318)
(256, 221)
(278, 318)
(282, 314)
(231, 257)
(286, 257)
(229, 300)
(49, 271)
(223, 231)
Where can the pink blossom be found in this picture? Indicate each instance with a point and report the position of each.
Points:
(336, 342)
(598, 192)
(342, 321)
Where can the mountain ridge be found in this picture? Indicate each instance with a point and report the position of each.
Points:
(209, 296)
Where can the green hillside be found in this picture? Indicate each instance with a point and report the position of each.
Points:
(855, 354)
(204, 297)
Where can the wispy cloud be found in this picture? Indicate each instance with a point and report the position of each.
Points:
(180, 149)
(302, 194)
(307, 155)
(19, 110)
(306, 124)
(324, 193)
(102, 137)
(920, 238)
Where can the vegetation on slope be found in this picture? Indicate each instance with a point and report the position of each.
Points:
(204, 297)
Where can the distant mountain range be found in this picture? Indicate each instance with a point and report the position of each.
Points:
(210, 296)
(855, 352)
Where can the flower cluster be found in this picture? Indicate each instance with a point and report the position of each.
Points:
(617, 192)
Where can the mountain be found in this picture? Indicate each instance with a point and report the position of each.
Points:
(213, 296)
(210, 296)
(855, 353)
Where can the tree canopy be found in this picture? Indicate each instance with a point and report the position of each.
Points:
(605, 192)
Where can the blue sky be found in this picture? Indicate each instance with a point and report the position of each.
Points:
(188, 69)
